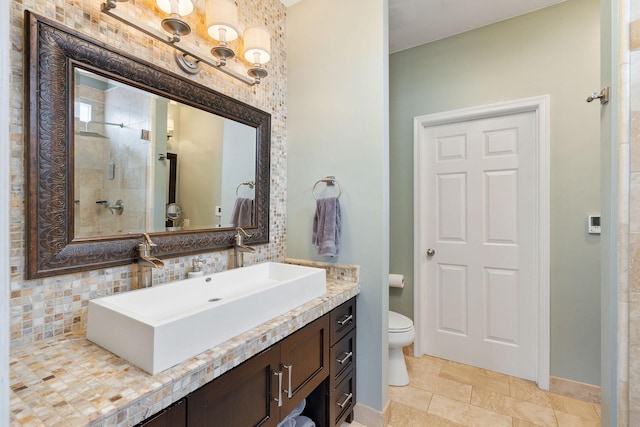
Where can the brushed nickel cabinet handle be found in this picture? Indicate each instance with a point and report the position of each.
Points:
(346, 400)
(346, 357)
(346, 320)
(289, 391)
(279, 398)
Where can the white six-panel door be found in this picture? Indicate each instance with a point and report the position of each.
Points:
(478, 255)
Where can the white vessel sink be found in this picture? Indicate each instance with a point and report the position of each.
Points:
(161, 326)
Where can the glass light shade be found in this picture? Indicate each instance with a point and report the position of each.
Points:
(170, 124)
(257, 45)
(181, 7)
(222, 15)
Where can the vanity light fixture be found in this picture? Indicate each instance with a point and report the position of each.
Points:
(174, 24)
(222, 26)
(257, 50)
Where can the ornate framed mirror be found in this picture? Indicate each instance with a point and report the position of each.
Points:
(81, 152)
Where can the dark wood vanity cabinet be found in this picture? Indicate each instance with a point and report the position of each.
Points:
(304, 362)
(244, 396)
(316, 362)
(267, 387)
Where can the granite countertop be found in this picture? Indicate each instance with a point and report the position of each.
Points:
(70, 381)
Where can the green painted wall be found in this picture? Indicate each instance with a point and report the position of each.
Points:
(552, 51)
(337, 97)
(609, 61)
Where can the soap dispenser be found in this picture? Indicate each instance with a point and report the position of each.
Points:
(196, 268)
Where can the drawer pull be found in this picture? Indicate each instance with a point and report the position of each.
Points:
(279, 398)
(347, 319)
(289, 391)
(346, 357)
(346, 400)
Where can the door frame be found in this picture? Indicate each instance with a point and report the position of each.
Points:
(540, 106)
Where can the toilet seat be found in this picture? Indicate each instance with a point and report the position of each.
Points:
(399, 323)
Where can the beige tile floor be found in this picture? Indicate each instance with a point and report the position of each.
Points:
(444, 393)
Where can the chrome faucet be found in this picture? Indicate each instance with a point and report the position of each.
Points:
(146, 262)
(239, 248)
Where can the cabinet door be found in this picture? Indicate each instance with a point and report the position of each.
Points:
(243, 397)
(174, 416)
(304, 359)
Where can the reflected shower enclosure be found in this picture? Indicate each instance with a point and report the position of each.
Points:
(126, 143)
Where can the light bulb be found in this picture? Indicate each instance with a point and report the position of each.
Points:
(180, 7)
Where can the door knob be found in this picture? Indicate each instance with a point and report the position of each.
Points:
(431, 252)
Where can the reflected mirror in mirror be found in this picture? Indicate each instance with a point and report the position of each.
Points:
(151, 152)
(174, 213)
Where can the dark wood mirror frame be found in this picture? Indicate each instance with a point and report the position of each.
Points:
(51, 250)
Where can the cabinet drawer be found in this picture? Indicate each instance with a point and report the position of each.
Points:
(343, 357)
(342, 399)
(343, 320)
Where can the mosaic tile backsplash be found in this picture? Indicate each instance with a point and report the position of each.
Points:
(45, 308)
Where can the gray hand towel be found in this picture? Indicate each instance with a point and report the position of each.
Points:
(242, 213)
(327, 226)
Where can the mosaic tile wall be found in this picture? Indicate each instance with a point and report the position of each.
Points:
(629, 305)
(629, 204)
(44, 308)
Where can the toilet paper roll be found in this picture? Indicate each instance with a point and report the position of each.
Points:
(396, 280)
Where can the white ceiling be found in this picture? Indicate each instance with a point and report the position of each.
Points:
(415, 22)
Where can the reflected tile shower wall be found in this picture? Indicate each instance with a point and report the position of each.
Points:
(112, 160)
(89, 157)
(131, 155)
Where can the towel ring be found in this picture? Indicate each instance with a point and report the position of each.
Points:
(251, 184)
(330, 181)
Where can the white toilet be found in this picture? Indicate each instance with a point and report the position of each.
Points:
(401, 334)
